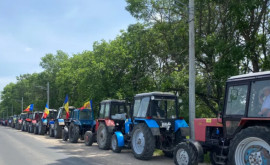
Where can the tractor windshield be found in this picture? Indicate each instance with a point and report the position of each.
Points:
(141, 107)
(118, 111)
(52, 115)
(23, 116)
(85, 115)
(163, 108)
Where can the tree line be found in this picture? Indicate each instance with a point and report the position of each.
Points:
(232, 37)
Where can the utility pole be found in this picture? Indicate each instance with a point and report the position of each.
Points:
(22, 104)
(48, 93)
(191, 68)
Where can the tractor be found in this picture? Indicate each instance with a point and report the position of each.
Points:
(20, 120)
(27, 121)
(15, 119)
(156, 124)
(240, 134)
(111, 120)
(44, 125)
(58, 124)
(33, 126)
(10, 121)
(80, 121)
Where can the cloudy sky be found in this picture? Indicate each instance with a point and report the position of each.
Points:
(29, 29)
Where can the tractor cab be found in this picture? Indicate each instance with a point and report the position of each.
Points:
(158, 106)
(52, 114)
(62, 112)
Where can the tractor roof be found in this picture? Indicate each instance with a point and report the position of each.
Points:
(155, 94)
(113, 101)
(250, 76)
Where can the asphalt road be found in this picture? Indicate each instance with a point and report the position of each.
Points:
(20, 148)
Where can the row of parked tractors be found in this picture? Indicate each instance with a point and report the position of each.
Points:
(238, 136)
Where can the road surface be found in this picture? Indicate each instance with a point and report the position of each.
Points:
(20, 148)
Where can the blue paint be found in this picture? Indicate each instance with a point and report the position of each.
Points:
(150, 122)
(44, 121)
(127, 126)
(120, 139)
(181, 123)
(51, 122)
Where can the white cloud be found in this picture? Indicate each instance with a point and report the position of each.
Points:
(6, 80)
(27, 49)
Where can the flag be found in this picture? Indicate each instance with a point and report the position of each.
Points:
(87, 105)
(66, 107)
(29, 108)
(46, 112)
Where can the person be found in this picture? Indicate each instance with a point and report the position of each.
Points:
(265, 110)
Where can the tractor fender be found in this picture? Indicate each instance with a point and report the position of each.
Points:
(77, 122)
(152, 124)
(109, 123)
(181, 123)
(128, 122)
(198, 148)
(120, 139)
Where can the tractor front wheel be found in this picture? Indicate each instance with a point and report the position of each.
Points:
(142, 142)
(65, 134)
(114, 144)
(41, 128)
(35, 129)
(74, 133)
(250, 146)
(57, 130)
(51, 132)
(103, 137)
(185, 154)
(88, 138)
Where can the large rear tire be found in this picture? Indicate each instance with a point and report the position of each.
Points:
(142, 142)
(185, 154)
(36, 129)
(250, 146)
(57, 130)
(103, 137)
(114, 144)
(88, 138)
(73, 133)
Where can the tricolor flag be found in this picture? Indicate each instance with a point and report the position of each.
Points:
(66, 107)
(29, 108)
(87, 105)
(46, 112)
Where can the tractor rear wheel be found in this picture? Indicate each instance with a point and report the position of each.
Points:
(22, 127)
(114, 144)
(185, 154)
(213, 157)
(51, 132)
(250, 146)
(41, 128)
(103, 137)
(142, 142)
(35, 129)
(57, 130)
(88, 138)
(74, 133)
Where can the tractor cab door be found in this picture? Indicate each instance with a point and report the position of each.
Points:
(235, 106)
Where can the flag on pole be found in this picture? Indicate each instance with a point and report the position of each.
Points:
(46, 112)
(29, 108)
(66, 107)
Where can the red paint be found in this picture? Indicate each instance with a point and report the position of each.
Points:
(200, 125)
(34, 121)
(28, 120)
(109, 122)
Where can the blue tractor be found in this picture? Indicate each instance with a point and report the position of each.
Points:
(44, 123)
(155, 124)
(59, 123)
(80, 121)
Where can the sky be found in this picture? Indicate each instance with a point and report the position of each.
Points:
(30, 29)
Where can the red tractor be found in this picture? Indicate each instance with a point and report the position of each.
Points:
(241, 135)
